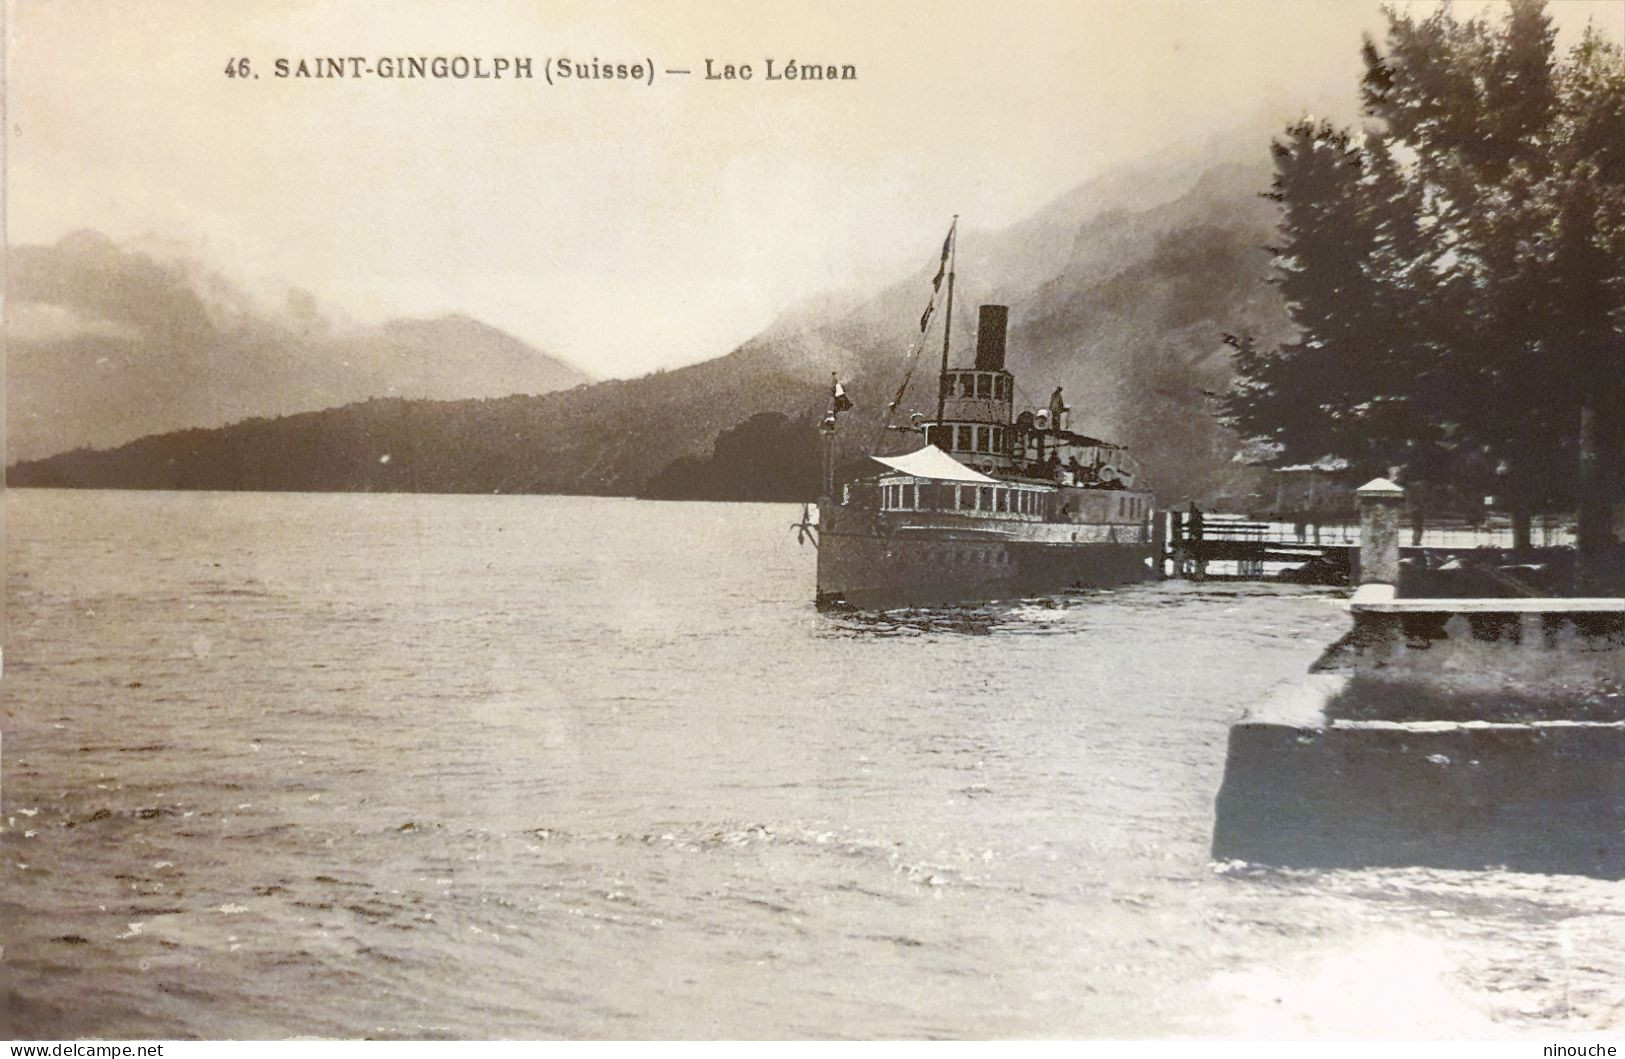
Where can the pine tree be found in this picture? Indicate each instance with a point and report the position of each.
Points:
(1304, 398)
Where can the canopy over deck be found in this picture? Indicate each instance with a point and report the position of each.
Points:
(931, 462)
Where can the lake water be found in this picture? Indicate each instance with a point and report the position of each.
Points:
(423, 766)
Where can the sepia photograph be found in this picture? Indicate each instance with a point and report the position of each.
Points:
(1094, 520)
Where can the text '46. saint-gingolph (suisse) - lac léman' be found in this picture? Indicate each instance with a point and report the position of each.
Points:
(553, 70)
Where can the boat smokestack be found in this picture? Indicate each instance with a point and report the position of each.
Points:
(990, 327)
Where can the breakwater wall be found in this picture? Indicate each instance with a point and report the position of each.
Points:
(1300, 790)
(1448, 733)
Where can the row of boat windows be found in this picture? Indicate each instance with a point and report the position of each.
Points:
(944, 497)
(962, 438)
(900, 496)
(996, 385)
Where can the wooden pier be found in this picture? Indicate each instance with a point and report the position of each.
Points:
(1192, 544)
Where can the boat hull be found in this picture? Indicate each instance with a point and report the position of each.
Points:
(869, 568)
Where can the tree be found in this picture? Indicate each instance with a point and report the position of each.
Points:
(1300, 398)
(1480, 222)
(1511, 154)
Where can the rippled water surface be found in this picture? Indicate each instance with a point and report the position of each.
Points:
(407, 766)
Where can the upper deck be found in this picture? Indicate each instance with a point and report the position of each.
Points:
(976, 423)
(1005, 500)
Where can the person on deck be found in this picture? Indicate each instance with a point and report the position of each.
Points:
(1057, 410)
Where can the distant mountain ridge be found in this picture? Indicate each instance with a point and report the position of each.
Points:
(1119, 292)
(106, 344)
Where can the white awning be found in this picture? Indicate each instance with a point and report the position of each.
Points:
(931, 462)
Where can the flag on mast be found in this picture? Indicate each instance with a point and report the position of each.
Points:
(942, 270)
(838, 400)
(947, 248)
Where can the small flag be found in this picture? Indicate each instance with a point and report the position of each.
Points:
(925, 319)
(947, 247)
(839, 402)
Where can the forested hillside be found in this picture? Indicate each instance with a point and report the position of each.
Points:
(1119, 291)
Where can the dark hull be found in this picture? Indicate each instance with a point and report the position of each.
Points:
(869, 571)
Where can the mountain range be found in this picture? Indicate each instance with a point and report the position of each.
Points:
(107, 343)
(1119, 291)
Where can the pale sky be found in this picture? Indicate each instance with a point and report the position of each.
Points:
(625, 226)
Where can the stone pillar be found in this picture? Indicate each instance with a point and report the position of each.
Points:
(1380, 504)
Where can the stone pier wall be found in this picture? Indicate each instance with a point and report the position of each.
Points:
(1541, 797)
(1446, 733)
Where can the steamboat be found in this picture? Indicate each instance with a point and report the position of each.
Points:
(989, 504)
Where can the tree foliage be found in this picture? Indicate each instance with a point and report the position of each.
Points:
(1454, 269)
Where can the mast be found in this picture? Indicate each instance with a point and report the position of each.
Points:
(947, 322)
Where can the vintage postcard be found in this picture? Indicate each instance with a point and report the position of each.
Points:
(730, 520)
